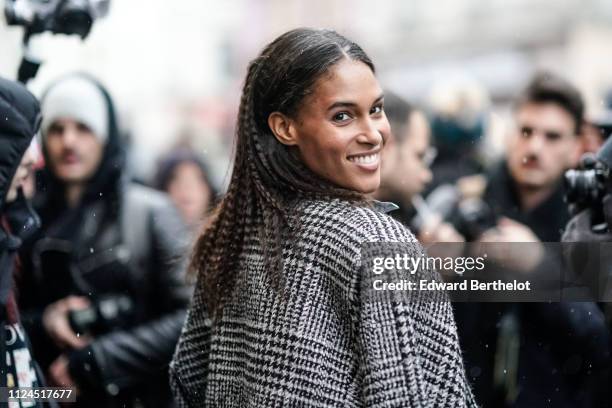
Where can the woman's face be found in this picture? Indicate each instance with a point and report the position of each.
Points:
(340, 128)
(189, 192)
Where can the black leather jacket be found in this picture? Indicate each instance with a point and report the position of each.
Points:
(131, 354)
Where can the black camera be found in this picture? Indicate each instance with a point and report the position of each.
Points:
(472, 217)
(587, 186)
(56, 16)
(469, 214)
(106, 313)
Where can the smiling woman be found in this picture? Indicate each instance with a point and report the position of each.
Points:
(341, 128)
(279, 316)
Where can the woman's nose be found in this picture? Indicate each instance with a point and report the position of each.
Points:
(371, 134)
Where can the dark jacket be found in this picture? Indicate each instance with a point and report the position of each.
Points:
(562, 344)
(19, 121)
(122, 247)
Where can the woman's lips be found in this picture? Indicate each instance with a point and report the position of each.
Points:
(369, 161)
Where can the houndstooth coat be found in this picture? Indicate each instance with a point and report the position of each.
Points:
(322, 344)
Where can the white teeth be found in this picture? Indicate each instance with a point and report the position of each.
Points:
(369, 159)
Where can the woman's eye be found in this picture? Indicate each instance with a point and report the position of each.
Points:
(341, 117)
(376, 109)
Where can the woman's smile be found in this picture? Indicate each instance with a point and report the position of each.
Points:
(368, 161)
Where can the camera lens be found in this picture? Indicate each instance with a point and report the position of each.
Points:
(581, 185)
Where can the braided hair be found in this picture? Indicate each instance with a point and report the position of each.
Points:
(266, 173)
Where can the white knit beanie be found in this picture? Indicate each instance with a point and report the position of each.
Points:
(79, 99)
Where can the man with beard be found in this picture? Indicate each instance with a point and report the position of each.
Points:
(104, 294)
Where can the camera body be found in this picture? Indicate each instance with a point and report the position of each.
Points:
(56, 16)
(472, 217)
(587, 186)
(105, 314)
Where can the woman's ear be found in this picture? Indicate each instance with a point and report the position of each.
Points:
(282, 127)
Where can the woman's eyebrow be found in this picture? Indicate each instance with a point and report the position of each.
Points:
(342, 104)
(349, 104)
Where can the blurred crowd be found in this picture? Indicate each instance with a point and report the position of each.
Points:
(516, 354)
(100, 291)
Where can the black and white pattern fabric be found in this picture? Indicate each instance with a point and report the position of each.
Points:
(319, 344)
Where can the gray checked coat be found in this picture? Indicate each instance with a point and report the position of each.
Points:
(322, 344)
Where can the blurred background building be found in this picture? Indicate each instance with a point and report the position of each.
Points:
(175, 68)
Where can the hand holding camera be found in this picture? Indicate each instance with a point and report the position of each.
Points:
(507, 231)
(57, 323)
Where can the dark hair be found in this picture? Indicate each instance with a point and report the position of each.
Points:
(546, 87)
(168, 164)
(266, 174)
(398, 112)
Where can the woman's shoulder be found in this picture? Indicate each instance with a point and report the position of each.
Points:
(361, 222)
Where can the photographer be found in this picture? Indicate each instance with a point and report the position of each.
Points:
(104, 290)
(587, 239)
(560, 343)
